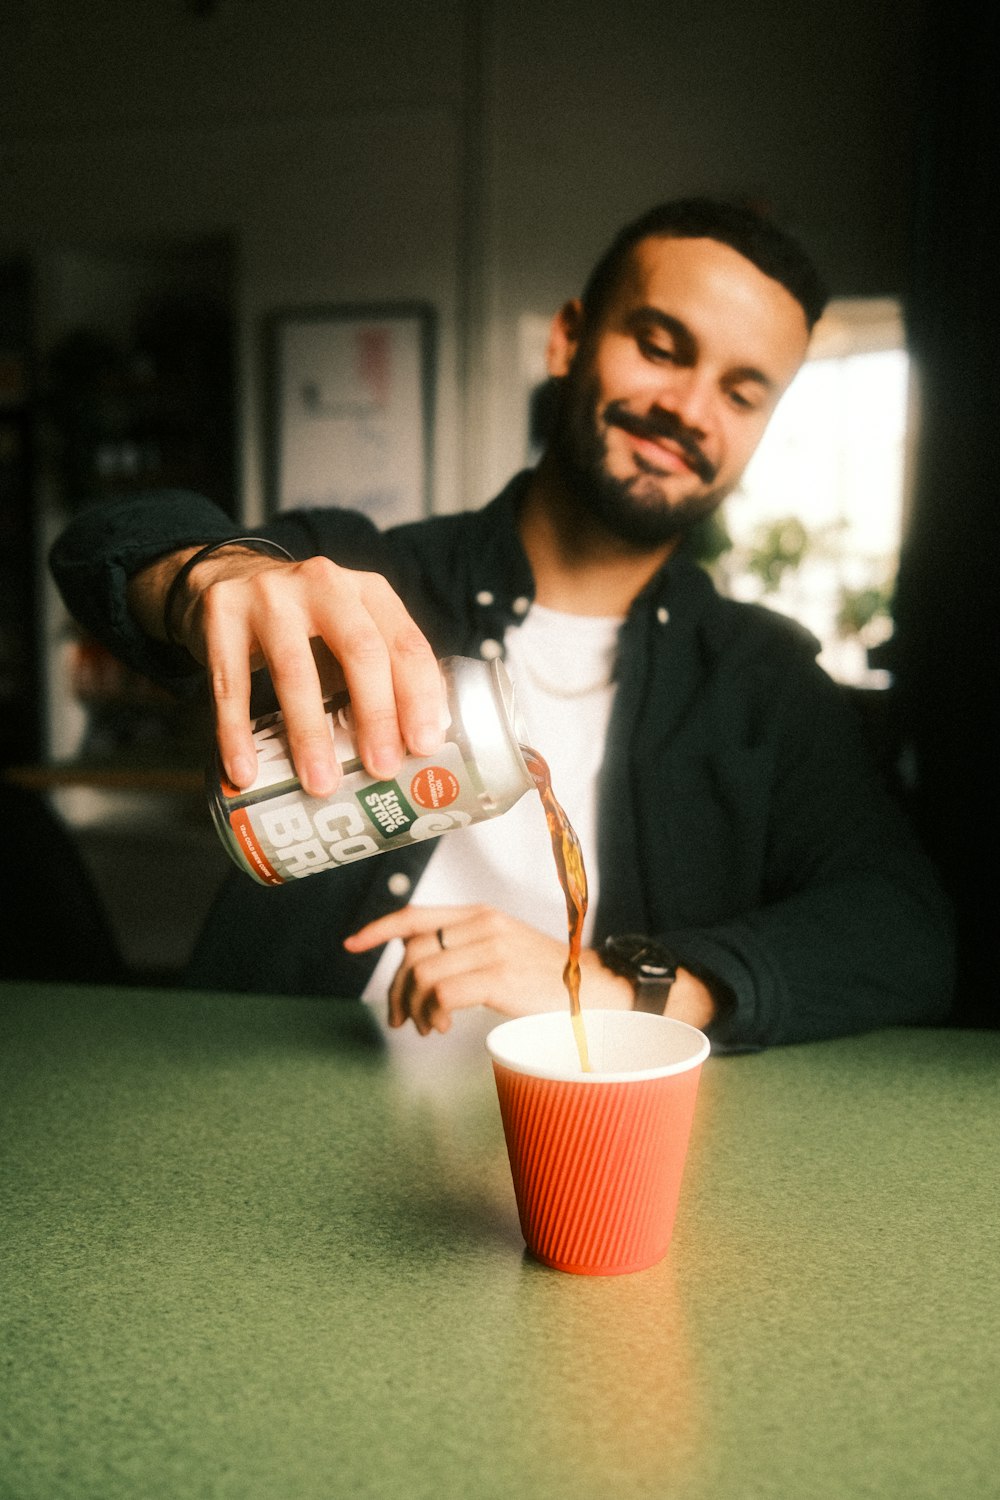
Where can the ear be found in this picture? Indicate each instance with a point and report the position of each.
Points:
(564, 337)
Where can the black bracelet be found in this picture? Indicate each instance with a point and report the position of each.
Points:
(253, 543)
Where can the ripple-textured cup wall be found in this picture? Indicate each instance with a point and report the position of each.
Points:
(597, 1158)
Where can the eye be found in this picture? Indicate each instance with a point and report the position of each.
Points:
(744, 400)
(653, 349)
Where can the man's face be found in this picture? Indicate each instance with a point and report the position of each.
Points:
(665, 399)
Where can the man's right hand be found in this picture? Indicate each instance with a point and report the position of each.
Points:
(317, 627)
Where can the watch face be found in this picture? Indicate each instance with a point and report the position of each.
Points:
(640, 957)
(652, 964)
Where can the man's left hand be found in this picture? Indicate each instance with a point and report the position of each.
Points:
(457, 957)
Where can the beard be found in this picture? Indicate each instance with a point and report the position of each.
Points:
(633, 510)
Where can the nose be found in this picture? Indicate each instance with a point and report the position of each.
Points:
(687, 395)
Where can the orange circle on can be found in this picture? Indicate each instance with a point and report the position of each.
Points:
(434, 786)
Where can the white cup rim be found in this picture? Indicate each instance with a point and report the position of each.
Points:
(499, 1040)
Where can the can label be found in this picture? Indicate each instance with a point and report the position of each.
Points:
(281, 833)
(277, 832)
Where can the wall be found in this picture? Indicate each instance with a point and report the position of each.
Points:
(325, 141)
(594, 112)
(475, 155)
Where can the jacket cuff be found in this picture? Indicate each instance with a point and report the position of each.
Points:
(712, 960)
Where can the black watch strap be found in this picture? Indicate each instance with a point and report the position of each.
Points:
(649, 966)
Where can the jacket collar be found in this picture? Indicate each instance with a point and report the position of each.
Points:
(504, 586)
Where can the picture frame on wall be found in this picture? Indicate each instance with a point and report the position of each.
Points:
(351, 409)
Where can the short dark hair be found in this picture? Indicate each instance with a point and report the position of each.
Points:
(745, 229)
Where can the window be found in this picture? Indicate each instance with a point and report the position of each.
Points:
(816, 523)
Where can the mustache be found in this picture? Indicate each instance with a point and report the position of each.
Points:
(663, 425)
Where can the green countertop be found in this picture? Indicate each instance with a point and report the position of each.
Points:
(250, 1249)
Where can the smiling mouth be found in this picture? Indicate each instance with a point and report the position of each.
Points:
(653, 454)
(662, 445)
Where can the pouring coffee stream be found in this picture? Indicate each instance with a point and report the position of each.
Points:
(573, 879)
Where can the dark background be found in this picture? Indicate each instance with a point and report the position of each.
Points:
(171, 172)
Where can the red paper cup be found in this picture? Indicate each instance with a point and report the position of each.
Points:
(597, 1158)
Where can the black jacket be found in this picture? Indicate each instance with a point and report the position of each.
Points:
(741, 819)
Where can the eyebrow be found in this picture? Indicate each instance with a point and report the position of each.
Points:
(687, 344)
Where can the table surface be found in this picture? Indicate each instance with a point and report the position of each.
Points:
(252, 1248)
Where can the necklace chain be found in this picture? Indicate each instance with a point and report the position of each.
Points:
(576, 642)
(564, 690)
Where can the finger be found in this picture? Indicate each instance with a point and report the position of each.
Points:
(392, 675)
(303, 614)
(331, 675)
(284, 613)
(418, 687)
(409, 922)
(421, 1001)
(413, 992)
(399, 999)
(352, 634)
(397, 1012)
(432, 983)
(228, 665)
(297, 684)
(259, 616)
(405, 986)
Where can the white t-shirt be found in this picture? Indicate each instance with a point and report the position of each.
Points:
(563, 670)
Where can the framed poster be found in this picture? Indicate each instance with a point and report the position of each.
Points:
(351, 409)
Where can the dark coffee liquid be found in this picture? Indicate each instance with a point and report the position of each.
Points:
(573, 879)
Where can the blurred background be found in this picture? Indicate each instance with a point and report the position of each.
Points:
(221, 218)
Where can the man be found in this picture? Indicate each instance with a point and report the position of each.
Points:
(726, 806)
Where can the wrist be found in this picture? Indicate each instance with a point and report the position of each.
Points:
(691, 1000)
(177, 599)
(602, 989)
(649, 966)
(147, 589)
(657, 981)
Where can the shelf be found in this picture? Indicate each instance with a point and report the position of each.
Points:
(108, 777)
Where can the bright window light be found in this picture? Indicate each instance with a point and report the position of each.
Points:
(816, 523)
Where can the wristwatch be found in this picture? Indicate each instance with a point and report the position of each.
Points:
(651, 968)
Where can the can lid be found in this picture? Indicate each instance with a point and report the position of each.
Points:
(505, 691)
(516, 734)
(490, 722)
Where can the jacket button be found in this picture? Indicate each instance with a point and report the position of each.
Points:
(490, 650)
(399, 884)
(521, 605)
(663, 614)
(484, 597)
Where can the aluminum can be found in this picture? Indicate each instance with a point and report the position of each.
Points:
(276, 832)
